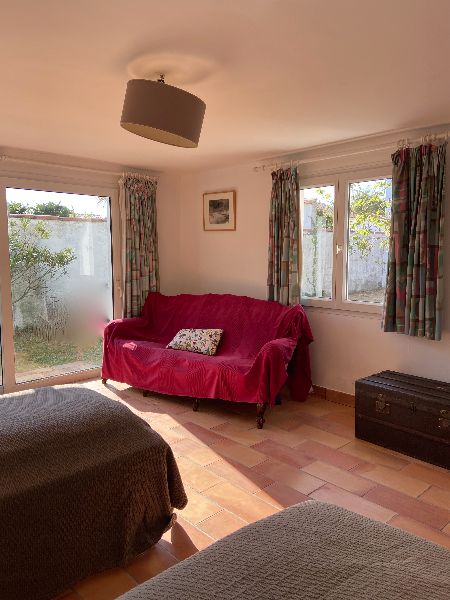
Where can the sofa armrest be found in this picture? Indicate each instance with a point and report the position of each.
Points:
(281, 348)
(295, 355)
(275, 352)
(129, 328)
(270, 367)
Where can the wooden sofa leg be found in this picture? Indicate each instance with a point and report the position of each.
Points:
(104, 380)
(146, 393)
(195, 404)
(260, 410)
(278, 400)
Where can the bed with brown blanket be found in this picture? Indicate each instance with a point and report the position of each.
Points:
(85, 485)
(311, 551)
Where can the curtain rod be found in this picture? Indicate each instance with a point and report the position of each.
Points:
(402, 143)
(43, 163)
(143, 176)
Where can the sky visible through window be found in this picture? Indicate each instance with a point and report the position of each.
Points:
(81, 204)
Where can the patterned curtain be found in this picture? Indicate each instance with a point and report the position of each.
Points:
(137, 201)
(283, 272)
(415, 287)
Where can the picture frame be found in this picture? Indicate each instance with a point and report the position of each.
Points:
(219, 211)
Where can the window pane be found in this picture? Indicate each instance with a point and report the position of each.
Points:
(317, 241)
(369, 219)
(61, 276)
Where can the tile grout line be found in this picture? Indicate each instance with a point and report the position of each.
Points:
(211, 516)
(362, 497)
(425, 490)
(186, 518)
(201, 530)
(426, 525)
(129, 574)
(418, 498)
(223, 508)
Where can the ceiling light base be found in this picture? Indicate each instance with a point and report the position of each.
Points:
(178, 69)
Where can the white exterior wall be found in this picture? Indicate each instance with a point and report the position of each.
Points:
(90, 241)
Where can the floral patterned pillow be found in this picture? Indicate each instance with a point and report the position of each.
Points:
(204, 341)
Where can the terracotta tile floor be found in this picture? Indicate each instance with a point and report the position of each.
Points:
(235, 474)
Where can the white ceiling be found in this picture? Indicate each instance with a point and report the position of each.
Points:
(289, 74)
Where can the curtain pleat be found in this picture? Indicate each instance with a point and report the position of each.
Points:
(139, 241)
(283, 264)
(415, 286)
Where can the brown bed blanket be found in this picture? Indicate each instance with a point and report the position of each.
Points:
(311, 551)
(85, 485)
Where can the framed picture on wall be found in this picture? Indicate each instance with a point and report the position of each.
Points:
(219, 211)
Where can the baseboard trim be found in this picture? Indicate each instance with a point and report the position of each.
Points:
(319, 391)
(334, 396)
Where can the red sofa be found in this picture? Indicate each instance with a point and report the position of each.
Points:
(264, 345)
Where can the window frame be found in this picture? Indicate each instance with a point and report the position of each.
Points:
(53, 184)
(341, 182)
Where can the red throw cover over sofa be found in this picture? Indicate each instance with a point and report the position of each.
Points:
(264, 344)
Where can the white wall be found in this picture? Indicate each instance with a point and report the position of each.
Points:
(214, 261)
(347, 345)
(167, 206)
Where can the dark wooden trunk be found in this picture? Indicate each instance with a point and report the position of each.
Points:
(405, 413)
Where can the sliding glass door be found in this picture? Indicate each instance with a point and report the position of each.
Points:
(57, 286)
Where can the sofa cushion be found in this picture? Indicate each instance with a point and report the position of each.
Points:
(203, 341)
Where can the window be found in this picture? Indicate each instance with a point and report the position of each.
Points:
(369, 219)
(344, 239)
(317, 242)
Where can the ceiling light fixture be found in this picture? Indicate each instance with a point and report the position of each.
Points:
(162, 112)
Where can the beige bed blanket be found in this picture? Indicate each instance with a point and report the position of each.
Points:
(311, 551)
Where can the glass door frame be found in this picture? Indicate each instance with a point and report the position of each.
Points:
(6, 314)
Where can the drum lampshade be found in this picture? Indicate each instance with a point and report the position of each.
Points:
(162, 112)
